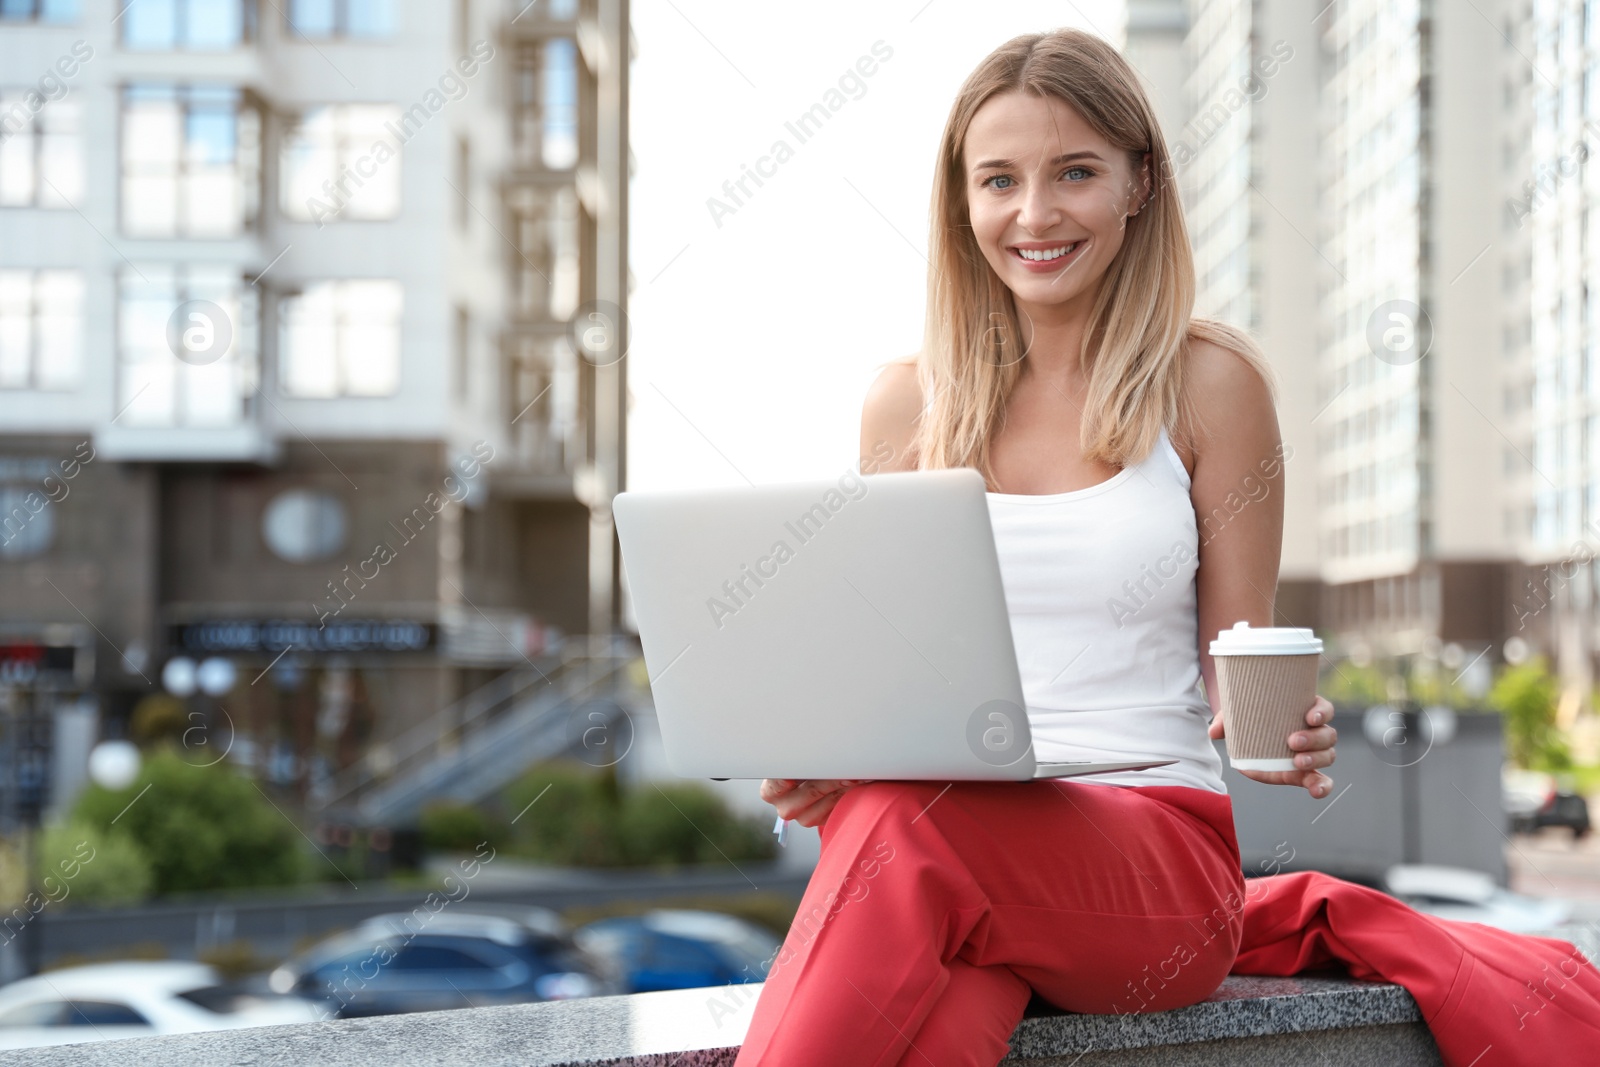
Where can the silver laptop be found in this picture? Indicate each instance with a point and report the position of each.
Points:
(852, 627)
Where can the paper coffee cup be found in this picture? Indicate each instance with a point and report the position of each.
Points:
(1267, 681)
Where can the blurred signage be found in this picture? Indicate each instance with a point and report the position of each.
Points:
(24, 662)
(275, 635)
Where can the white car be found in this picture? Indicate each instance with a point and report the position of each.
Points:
(103, 1001)
(1472, 896)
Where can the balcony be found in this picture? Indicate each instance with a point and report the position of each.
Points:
(244, 442)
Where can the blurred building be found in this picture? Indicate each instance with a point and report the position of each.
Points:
(1343, 173)
(311, 319)
(1243, 143)
(1155, 34)
(1553, 338)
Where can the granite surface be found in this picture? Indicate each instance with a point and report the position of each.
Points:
(1323, 1020)
(703, 1028)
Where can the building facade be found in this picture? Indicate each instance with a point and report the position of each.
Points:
(311, 326)
(1338, 209)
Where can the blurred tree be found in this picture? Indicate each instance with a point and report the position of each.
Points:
(578, 819)
(455, 826)
(86, 865)
(1526, 696)
(688, 823)
(200, 827)
(1346, 683)
(158, 717)
(1438, 687)
(562, 812)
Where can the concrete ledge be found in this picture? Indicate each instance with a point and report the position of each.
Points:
(1318, 1021)
(1278, 1021)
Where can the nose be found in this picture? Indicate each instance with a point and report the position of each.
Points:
(1039, 211)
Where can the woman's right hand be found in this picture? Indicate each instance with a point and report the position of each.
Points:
(807, 800)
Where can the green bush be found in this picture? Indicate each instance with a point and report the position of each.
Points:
(578, 818)
(686, 823)
(200, 827)
(1346, 683)
(78, 863)
(1526, 696)
(454, 826)
(565, 813)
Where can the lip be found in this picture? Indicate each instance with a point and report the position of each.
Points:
(1049, 266)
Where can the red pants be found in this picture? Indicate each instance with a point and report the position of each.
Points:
(936, 910)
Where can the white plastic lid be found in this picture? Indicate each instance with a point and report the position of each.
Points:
(1245, 640)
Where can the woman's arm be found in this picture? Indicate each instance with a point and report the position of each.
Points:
(1237, 490)
(889, 418)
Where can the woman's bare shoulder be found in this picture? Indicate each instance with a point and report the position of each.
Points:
(1224, 388)
(889, 415)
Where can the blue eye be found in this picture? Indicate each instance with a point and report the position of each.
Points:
(1085, 170)
(996, 178)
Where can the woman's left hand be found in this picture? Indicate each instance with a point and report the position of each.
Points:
(1313, 748)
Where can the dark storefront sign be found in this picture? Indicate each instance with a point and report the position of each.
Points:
(28, 663)
(274, 635)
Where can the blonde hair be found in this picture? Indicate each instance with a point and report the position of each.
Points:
(1140, 321)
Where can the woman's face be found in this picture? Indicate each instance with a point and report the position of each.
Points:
(1041, 182)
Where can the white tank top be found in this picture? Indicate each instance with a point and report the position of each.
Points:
(1100, 587)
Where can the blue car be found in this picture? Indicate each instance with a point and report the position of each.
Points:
(679, 949)
(464, 957)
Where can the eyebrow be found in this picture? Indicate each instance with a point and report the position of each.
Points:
(991, 163)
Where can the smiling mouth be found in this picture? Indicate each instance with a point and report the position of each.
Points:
(1045, 255)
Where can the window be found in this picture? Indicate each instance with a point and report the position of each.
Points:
(38, 1013)
(27, 526)
(560, 103)
(341, 338)
(331, 168)
(103, 1013)
(423, 957)
(463, 181)
(463, 353)
(304, 525)
(190, 161)
(41, 329)
(341, 18)
(206, 387)
(58, 11)
(41, 150)
(186, 25)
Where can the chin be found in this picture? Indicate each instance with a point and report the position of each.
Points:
(1044, 290)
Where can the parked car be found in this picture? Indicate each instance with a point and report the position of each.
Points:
(460, 957)
(680, 949)
(1472, 896)
(102, 1001)
(1534, 799)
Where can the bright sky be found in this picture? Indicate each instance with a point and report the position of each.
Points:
(754, 341)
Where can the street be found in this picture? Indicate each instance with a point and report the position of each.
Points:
(1550, 863)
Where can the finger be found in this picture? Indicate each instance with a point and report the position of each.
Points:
(817, 788)
(804, 796)
(1320, 712)
(773, 788)
(1312, 760)
(1318, 785)
(814, 813)
(1216, 730)
(1306, 740)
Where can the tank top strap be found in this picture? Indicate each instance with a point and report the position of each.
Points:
(1165, 445)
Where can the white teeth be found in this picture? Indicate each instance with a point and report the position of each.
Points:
(1046, 254)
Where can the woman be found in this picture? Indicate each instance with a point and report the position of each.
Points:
(1060, 359)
